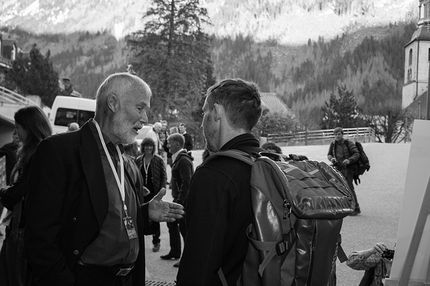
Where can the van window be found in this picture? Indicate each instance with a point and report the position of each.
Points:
(65, 116)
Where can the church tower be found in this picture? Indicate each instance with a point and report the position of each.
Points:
(417, 57)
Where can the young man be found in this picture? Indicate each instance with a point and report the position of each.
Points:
(343, 154)
(182, 171)
(219, 203)
(85, 222)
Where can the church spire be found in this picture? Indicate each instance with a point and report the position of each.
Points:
(424, 13)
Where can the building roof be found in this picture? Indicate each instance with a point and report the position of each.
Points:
(274, 104)
(8, 42)
(418, 107)
(422, 33)
(6, 63)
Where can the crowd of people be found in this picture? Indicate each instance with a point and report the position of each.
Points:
(80, 203)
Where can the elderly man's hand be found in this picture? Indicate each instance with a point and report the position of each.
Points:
(160, 210)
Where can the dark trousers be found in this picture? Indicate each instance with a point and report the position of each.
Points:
(13, 262)
(94, 276)
(176, 228)
(349, 176)
(157, 232)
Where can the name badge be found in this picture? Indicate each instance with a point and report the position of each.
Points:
(131, 231)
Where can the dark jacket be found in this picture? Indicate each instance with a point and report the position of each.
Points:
(344, 149)
(158, 170)
(9, 151)
(182, 171)
(67, 205)
(218, 212)
(13, 196)
(188, 141)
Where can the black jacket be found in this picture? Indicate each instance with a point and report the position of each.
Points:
(67, 205)
(218, 212)
(182, 171)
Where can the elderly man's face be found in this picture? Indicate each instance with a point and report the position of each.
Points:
(131, 115)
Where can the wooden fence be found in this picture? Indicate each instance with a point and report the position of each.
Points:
(321, 137)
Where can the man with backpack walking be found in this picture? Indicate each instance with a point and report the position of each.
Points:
(219, 202)
(343, 153)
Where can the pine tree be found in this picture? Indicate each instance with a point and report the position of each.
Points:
(341, 110)
(34, 76)
(172, 55)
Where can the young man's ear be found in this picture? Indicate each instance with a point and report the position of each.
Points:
(219, 111)
(112, 102)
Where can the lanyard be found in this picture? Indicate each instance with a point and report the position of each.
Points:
(119, 182)
(146, 168)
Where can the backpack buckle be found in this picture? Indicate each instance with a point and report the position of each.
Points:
(281, 247)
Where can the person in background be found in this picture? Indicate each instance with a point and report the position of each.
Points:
(72, 126)
(343, 154)
(219, 206)
(172, 130)
(31, 126)
(188, 139)
(376, 261)
(8, 151)
(182, 171)
(163, 134)
(132, 150)
(272, 147)
(130, 69)
(154, 135)
(85, 223)
(153, 171)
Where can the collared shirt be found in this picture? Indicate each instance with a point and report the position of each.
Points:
(113, 245)
(174, 156)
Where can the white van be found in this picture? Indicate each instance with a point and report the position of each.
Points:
(68, 109)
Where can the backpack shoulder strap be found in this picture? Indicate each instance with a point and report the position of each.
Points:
(347, 142)
(331, 148)
(236, 154)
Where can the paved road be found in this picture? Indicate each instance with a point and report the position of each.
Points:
(380, 195)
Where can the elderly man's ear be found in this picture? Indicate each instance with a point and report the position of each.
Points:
(112, 102)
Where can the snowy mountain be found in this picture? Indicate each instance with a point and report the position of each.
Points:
(287, 21)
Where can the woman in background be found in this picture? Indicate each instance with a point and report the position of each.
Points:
(154, 175)
(32, 126)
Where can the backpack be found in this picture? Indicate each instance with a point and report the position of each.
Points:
(363, 163)
(298, 211)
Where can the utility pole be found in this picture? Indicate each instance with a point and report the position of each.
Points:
(428, 95)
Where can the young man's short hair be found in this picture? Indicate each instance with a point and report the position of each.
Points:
(338, 129)
(240, 99)
(177, 137)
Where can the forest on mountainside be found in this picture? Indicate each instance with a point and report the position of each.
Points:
(369, 62)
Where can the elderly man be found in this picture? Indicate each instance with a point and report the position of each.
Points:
(219, 202)
(154, 135)
(85, 223)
